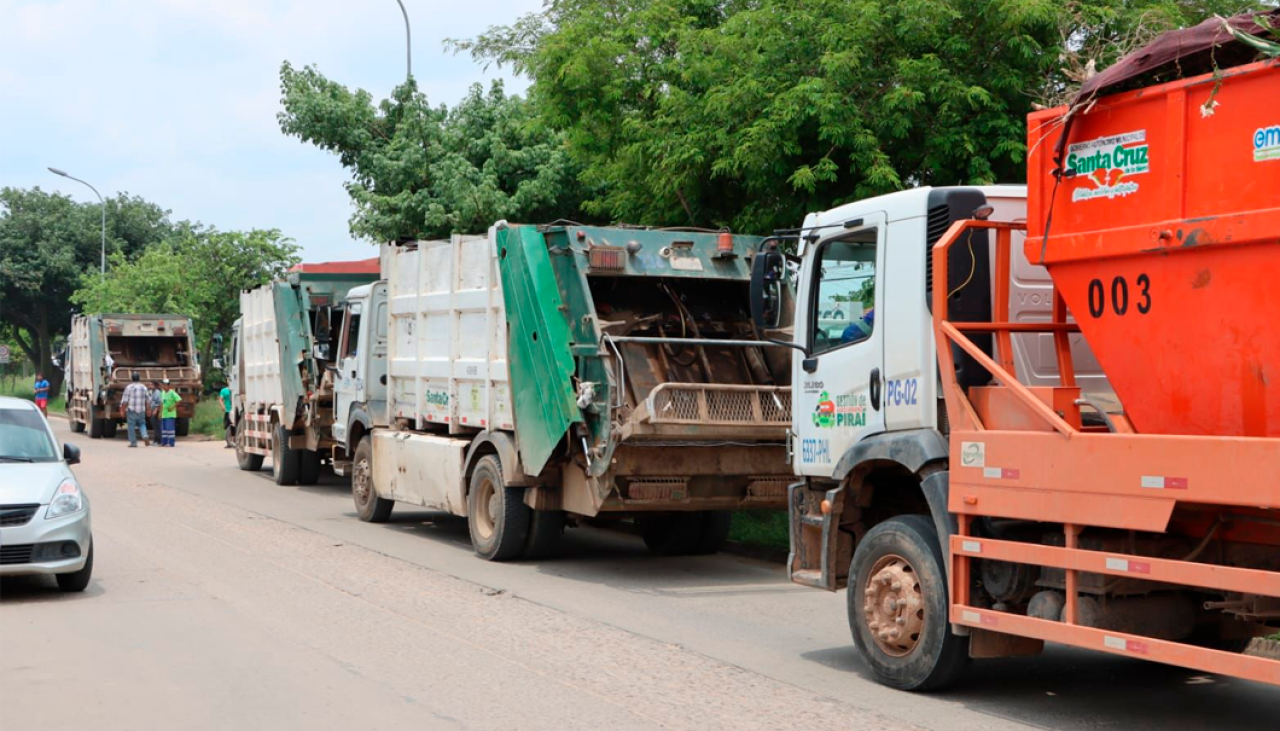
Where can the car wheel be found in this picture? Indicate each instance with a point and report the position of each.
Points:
(78, 580)
(369, 506)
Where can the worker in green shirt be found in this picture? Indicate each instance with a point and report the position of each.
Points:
(225, 395)
(169, 399)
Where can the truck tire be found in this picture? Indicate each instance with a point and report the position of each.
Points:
(284, 461)
(672, 534)
(77, 426)
(308, 467)
(369, 507)
(109, 428)
(898, 606)
(248, 461)
(95, 424)
(182, 426)
(545, 529)
(715, 531)
(496, 514)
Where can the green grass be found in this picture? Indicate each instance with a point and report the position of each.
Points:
(766, 528)
(208, 418)
(22, 388)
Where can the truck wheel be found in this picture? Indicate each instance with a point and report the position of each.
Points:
(77, 426)
(248, 461)
(109, 428)
(496, 514)
(95, 424)
(545, 529)
(284, 461)
(898, 606)
(78, 580)
(308, 467)
(715, 531)
(673, 534)
(182, 426)
(370, 507)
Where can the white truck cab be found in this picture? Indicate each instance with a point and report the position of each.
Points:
(869, 423)
(360, 369)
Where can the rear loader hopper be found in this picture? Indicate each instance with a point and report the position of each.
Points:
(1162, 233)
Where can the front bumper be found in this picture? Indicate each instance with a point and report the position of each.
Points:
(38, 532)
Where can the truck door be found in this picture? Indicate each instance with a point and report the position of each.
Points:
(840, 384)
(362, 360)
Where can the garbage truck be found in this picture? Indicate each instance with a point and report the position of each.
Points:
(538, 376)
(1062, 426)
(104, 351)
(281, 347)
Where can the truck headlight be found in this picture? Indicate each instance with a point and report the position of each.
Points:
(66, 500)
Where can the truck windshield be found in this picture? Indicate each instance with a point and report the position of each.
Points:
(24, 437)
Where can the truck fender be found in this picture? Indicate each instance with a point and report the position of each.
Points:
(913, 449)
(504, 446)
(359, 415)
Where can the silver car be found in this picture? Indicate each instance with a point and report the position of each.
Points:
(44, 515)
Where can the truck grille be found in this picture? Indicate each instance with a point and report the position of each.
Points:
(687, 403)
(18, 553)
(12, 515)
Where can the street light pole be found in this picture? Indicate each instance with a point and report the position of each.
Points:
(103, 203)
(408, 43)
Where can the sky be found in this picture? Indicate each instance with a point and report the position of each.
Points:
(176, 100)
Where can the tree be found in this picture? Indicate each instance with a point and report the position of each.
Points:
(199, 272)
(751, 113)
(47, 244)
(420, 171)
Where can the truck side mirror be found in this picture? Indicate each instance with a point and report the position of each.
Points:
(217, 348)
(217, 364)
(324, 317)
(320, 351)
(767, 276)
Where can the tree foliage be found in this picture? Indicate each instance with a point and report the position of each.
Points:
(48, 242)
(751, 113)
(197, 272)
(422, 171)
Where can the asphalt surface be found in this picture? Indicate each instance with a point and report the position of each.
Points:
(221, 600)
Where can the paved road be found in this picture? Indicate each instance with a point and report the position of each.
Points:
(221, 600)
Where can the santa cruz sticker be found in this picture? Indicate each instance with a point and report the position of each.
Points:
(1103, 166)
(1266, 144)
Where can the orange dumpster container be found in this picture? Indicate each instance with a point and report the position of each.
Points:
(1163, 235)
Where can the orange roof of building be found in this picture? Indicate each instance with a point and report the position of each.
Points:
(363, 266)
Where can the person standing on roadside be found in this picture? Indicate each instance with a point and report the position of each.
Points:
(42, 394)
(133, 407)
(169, 415)
(225, 395)
(153, 413)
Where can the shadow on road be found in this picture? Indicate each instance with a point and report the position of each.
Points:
(41, 589)
(1069, 688)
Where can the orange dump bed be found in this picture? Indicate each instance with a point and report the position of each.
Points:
(1164, 240)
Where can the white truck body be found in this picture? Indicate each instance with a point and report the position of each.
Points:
(260, 348)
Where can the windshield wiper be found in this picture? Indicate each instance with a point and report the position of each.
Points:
(4, 458)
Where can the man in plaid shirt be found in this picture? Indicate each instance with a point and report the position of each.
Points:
(133, 407)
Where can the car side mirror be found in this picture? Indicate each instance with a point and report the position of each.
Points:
(71, 454)
(767, 276)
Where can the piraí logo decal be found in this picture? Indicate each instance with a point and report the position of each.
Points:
(1104, 165)
(848, 409)
(825, 414)
(1266, 144)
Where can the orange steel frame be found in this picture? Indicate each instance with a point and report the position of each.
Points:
(1081, 478)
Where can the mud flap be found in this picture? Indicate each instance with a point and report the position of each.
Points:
(815, 557)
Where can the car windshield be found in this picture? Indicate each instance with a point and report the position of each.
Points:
(24, 437)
